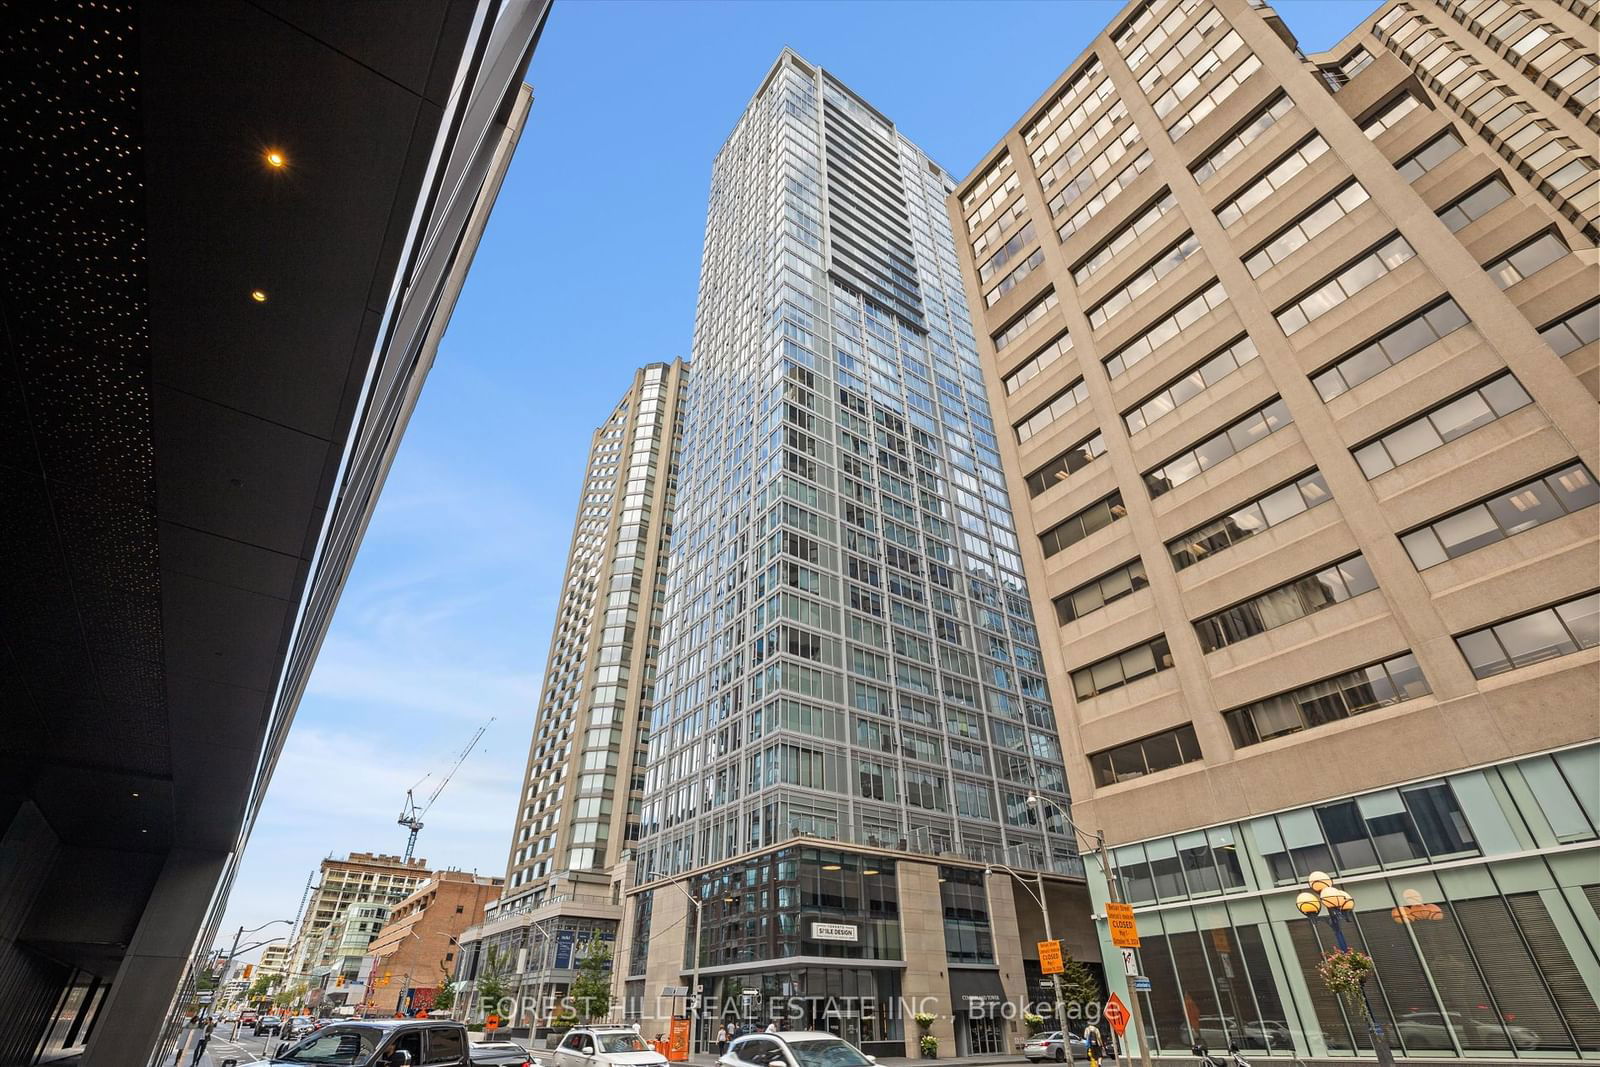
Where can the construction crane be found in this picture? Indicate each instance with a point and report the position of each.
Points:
(411, 815)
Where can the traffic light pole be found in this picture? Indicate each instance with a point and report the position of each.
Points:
(1114, 895)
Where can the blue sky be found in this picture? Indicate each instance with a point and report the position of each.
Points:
(589, 267)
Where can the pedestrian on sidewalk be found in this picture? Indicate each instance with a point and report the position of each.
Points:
(1096, 1044)
(205, 1035)
(722, 1040)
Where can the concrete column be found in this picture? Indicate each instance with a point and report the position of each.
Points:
(141, 995)
(671, 925)
(927, 984)
(1010, 949)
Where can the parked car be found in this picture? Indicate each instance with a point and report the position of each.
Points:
(1054, 1046)
(1430, 1029)
(605, 1046)
(269, 1024)
(248, 1018)
(501, 1054)
(799, 1048)
(382, 1043)
(299, 1026)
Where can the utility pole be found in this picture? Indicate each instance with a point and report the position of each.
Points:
(1114, 894)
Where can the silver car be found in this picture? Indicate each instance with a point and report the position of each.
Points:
(1054, 1046)
(793, 1048)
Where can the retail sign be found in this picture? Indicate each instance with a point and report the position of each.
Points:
(674, 990)
(1050, 957)
(1141, 984)
(835, 932)
(1116, 1014)
(1124, 931)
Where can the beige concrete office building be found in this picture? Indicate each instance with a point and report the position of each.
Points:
(578, 813)
(1296, 360)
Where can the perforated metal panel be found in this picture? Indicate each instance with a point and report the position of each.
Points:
(81, 588)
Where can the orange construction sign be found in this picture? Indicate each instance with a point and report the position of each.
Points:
(1050, 957)
(1116, 1014)
(1124, 931)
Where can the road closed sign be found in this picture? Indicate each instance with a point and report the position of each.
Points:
(1050, 957)
(1124, 931)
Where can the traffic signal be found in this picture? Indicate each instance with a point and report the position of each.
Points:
(249, 967)
(340, 981)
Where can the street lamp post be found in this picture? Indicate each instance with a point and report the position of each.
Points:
(1061, 1018)
(694, 981)
(1325, 896)
(234, 952)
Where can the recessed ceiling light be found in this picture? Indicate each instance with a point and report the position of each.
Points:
(832, 867)
(258, 295)
(870, 870)
(144, 831)
(276, 159)
(136, 794)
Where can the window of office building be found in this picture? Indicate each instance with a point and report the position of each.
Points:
(1287, 603)
(1213, 370)
(1345, 284)
(1126, 666)
(1397, 343)
(1159, 752)
(1277, 176)
(1442, 424)
(1195, 461)
(1539, 635)
(1329, 700)
(1526, 260)
(1506, 514)
(1265, 512)
(1108, 588)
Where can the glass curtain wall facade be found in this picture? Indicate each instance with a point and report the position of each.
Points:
(849, 649)
(1476, 896)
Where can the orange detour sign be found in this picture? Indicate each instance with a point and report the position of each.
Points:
(678, 1040)
(1050, 957)
(1124, 931)
(1116, 1014)
(491, 1024)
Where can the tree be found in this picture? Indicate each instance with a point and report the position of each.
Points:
(1078, 988)
(445, 998)
(260, 988)
(491, 983)
(591, 989)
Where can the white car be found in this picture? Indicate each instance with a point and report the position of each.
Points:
(1052, 1046)
(798, 1048)
(605, 1046)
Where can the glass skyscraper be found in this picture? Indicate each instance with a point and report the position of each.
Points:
(852, 709)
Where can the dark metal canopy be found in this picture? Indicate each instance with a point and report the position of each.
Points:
(206, 360)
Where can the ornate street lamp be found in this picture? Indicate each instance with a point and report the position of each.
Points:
(1324, 896)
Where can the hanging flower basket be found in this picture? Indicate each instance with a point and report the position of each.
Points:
(924, 1019)
(930, 1047)
(1034, 1023)
(1344, 973)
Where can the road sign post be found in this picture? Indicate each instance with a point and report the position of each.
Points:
(1125, 935)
